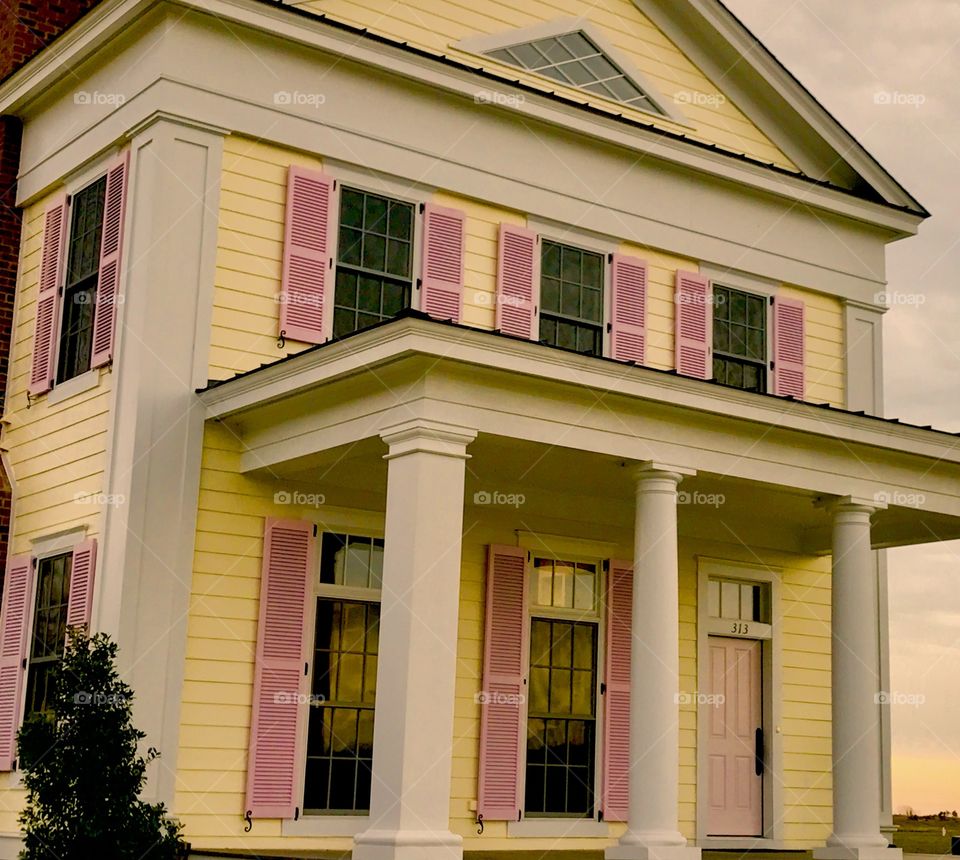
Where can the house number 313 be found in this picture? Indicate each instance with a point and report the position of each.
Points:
(741, 629)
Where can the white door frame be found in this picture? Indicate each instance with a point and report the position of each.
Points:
(771, 662)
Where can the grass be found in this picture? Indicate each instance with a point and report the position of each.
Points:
(924, 836)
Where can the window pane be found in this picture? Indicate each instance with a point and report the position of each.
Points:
(600, 67)
(528, 56)
(563, 585)
(375, 214)
(550, 295)
(566, 335)
(398, 258)
(550, 260)
(578, 45)
(368, 296)
(553, 50)
(713, 598)
(738, 307)
(590, 309)
(584, 591)
(351, 208)
(577, 73)
(570, 299)
(374, 252)
(401, 221)
(570, 265)
(49, 631)
(729, 600)
(622, 89)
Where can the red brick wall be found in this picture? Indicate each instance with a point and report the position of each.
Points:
(26, 26)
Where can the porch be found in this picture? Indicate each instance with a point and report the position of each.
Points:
(547, 447)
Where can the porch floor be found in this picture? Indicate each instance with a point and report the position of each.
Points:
(505, 855)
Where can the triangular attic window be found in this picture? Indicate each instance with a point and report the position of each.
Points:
(576, 60)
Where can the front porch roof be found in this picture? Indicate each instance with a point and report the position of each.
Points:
(545, 414)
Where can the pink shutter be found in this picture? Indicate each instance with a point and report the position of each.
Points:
(111, 247)
(52, 257)
(14, 618)
(82, 568)
(615, 789)
(788, 348)
(694, 325)
(441, 281)
(272, 766)
(501, 717)
(518, 282)
(307, 262)
(628, 319)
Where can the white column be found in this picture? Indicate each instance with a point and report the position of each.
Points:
(416, 676)
(856, 687)
(652, 831)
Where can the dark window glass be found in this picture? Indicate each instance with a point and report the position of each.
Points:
(346, 642)
(374, 260)
(83, 272)
(49, 630)
(571, 298)
(561, 719)
(739, 339)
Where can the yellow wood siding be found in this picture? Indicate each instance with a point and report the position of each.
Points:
(222, 639)
(57, 452)
(250, 249)
(438, 25)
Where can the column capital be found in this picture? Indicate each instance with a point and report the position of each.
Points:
(654, 470)
(424, 436)
(867, 505)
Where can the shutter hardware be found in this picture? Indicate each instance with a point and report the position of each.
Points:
(248, 817)
(603, 688)
(479, 821)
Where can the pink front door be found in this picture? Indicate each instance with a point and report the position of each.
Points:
(735, 713)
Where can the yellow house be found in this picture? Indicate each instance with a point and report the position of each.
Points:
(467, 418)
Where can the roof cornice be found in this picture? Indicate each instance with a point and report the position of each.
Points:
(83, 40)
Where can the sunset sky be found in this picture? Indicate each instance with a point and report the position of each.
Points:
(889, 71)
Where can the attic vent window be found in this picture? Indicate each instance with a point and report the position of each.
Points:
(576, 60)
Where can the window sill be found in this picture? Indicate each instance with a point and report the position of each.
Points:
(72, 387)
(556, 828)
(325, 825)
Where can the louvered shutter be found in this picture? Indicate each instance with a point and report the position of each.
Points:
(14, 619)
(272, 765)
(307, 263)
(615, 790)
(518, 282)
(788, 347)
(82, 568)
(628, 317)
(111, 248)
(501, 715)
(441, 281)
(694, 325)
(52, 261)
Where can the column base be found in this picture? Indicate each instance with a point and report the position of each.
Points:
(406, 845)
(651, 852)
(843, 852)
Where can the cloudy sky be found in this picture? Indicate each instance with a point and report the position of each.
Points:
(889, 70)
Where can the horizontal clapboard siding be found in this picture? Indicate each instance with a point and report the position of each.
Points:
(439, 24)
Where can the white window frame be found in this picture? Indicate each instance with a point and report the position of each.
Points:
(90, 378)
(557, 826)
(577, 237)
(483, 45)
(382, 185)
(772, 665)
(325, 823)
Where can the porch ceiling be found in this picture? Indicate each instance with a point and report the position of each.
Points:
(555, 425)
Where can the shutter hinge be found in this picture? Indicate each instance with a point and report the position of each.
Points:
(529, 555)
(610, 258)
(771, 300)
(773, 365)
(33, 562)
(13, 765)
(419, 283)
(606, 565)
(335, 182)
(306, 668)
(314, 529)
(609, 327)
(23, 663)
(600, 815)
(603, 688)
(296, 813)
(519, 815)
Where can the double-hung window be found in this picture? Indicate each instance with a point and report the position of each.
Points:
(562, 727)
(571, 298)
(374, 279)
(82, 275)
(48, 631)
(739, 339)
(344, 683)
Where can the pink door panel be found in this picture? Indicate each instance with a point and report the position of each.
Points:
(735, 789)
